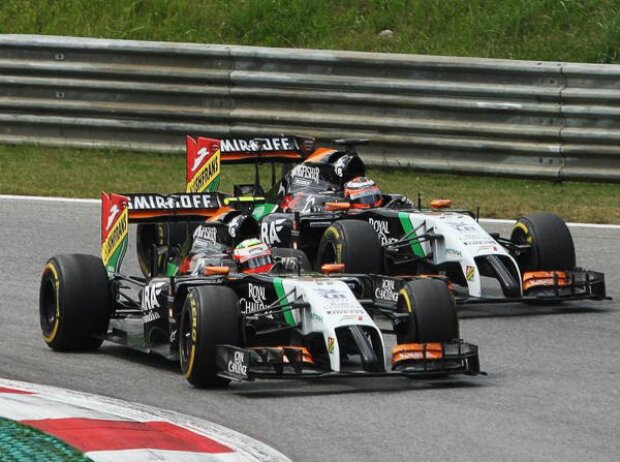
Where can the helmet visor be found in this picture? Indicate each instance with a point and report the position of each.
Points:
(257, 262)
(369, 197)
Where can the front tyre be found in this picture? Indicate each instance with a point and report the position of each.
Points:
(353, 243)
(210, 317)
(552, 246)
(432, 312)
(74, 302)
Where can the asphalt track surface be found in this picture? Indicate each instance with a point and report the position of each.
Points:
(552, 393)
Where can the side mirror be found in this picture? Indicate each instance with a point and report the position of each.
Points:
(335, 206)
(441, 203)
(329, 268)
(216, 270)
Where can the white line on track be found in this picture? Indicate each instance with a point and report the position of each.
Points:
(98, 201)
(50, 199)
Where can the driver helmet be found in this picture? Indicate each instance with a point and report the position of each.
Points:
(362, 193)
(253, 256)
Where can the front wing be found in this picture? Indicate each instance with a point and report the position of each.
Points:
(552, 287)
(235, 363)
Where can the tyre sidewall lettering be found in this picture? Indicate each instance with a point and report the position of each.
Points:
(193, 312)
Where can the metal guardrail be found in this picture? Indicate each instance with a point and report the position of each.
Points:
(535, 119)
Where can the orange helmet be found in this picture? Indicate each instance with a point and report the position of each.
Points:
(253, 256)
(362, 193)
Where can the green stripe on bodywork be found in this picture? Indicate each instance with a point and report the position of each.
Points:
(215, 184)
(114, 264)
(171, 270)
(416, 247)
(263, 209)
(288, 315)
(21, 443)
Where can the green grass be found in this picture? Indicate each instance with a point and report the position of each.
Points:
(555, 30)
(85, 173)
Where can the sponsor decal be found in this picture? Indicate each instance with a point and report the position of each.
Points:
(349, 317)
(337, 300)
(387, 291)
(471, 234)
(339, 165)
(202, 165)
(330, 294)
(114, 210)
(139, 202)
(382, 228)
(208, 233)
(255, 300)
(150, 301)
(481, 242)
(207, 178)
(114, 230)
(343, 311)
(470, 273)
(269, 231)
(279, 143)
(306, 172)
(232, 226)
(487, 248)
(237, 364)
(331, 343)
(316, 317)
(194, 306)
(309, 205)
(454, 252)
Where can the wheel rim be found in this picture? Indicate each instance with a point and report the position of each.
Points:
(519, 237)
(529, 259)
(185, 340)
(48, 311)
(402, 333)
(329, 254)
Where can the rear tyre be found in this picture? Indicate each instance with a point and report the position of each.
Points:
(299, 254)
(551, 241)
(210, 317)
(432, 312)
(148, 235)
(354, 243)
(75, 302)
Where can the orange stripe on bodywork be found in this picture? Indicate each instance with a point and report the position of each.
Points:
(218, 213)
(416, 352)
(146, 214)
(231, 157)
(319, 154)
(546, 279)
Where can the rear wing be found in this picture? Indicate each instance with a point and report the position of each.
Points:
(119, 210)
(204, 156)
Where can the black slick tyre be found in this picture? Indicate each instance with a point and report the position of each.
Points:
(432, 312)
(74, 302)
(149, 235)
(210, 317)
(551, 241)
(354, 243)
(301, 256)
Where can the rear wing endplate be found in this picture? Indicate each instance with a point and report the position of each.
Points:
(119, 210)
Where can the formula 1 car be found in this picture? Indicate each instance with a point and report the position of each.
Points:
(307, 210)
(225, 325)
